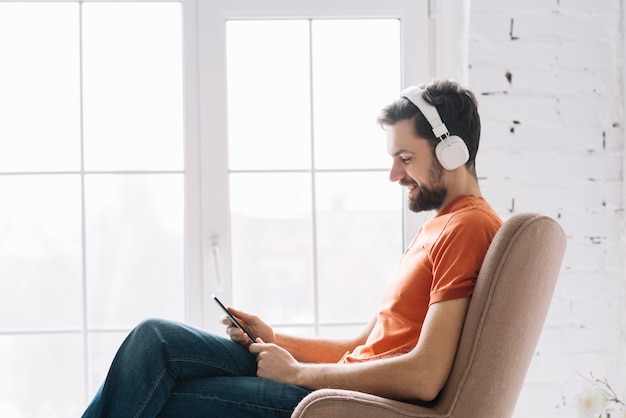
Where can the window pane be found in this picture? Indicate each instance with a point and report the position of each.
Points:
(134, 228)
(353, 69)
(271, 250)
(132, 81)
(359, 243)
(268, 94)
(41, 375)
(40, 252)
(39, 85)
(356, 71)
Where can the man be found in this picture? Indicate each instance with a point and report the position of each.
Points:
(405, 353)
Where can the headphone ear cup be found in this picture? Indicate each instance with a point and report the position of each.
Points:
(452, 152)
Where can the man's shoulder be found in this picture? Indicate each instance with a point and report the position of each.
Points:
(474, 212)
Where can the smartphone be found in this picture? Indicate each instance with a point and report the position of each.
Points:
(232, 319)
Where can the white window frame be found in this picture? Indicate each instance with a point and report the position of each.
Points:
(208, 258)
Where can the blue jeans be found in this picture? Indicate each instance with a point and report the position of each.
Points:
(168, 369)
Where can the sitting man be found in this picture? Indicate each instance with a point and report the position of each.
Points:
(405, 353)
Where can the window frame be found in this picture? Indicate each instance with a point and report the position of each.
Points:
(213, 259)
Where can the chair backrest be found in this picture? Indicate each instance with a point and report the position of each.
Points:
(505, 318)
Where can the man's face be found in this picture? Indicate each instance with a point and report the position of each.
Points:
(415, 167)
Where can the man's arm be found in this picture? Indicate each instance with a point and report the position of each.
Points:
(417, 375)
(305, 350)
(315, 350)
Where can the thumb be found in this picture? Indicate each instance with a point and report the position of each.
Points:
(258, 346)
(239, 314)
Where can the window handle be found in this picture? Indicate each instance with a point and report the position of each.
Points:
(217, 264)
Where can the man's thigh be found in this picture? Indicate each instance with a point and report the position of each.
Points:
(232, 397)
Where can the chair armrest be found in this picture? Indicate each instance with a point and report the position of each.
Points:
(326, 403)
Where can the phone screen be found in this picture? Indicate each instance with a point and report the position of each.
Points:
(232, 318)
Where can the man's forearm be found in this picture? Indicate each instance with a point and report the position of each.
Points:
(313, 350)
(404, 377)
(396, 378)
(316, 350)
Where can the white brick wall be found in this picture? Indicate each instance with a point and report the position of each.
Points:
(553, 142)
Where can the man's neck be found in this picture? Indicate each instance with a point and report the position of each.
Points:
(460, 183)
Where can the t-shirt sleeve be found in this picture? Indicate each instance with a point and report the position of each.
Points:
(458, 254)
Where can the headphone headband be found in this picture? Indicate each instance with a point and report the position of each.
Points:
(414, 94)
(451, 151)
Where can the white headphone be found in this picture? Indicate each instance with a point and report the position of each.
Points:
(451, 150)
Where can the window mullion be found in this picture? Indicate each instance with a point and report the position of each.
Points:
(85, 333)
(316, 296)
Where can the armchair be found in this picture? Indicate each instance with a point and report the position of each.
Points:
(503, 324)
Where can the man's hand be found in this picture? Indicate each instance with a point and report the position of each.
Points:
(252, 324)
(274, 362)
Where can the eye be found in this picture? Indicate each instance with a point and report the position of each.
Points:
(405, 160)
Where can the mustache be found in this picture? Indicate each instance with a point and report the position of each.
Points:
(405, 182)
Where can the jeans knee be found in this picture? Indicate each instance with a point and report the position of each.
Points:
(153, 324)
(152, 331)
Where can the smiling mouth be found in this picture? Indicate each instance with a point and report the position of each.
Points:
(410, 185)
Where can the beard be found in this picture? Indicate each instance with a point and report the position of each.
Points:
(431, 196)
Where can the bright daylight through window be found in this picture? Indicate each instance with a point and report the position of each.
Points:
(93, 148)
(314, 216)
(91, 174)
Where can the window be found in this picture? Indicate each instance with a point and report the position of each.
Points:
(314, 219)
(92, 220)
(296, 152)
(126, 131)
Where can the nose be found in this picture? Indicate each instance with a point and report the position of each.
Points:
(396, 173)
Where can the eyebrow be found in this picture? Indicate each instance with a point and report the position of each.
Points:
(402, 151)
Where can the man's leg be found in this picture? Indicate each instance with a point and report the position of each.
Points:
(154, 356)
(232, 397)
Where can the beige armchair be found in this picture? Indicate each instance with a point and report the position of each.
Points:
(503, 324)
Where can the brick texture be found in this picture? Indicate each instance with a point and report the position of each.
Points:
(549, 79)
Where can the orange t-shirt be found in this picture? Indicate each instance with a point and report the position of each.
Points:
(441, 264)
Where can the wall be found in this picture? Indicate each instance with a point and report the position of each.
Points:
(548, 75)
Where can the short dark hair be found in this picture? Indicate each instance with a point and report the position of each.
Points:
(457, 107)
